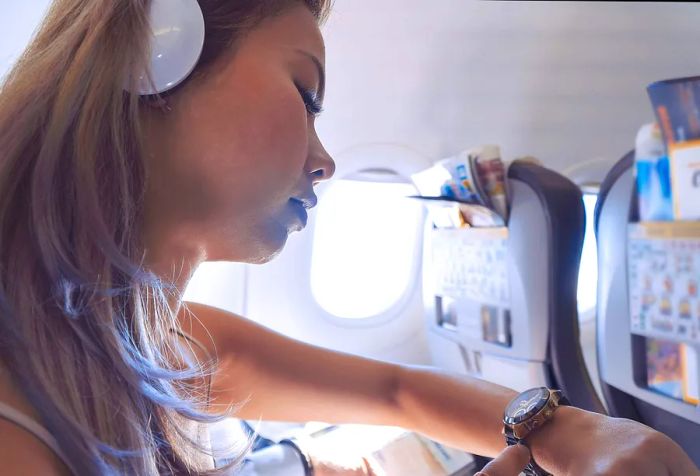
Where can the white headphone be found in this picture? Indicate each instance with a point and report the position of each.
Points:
(177, 42)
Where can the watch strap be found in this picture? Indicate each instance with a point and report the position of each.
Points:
(532, 468)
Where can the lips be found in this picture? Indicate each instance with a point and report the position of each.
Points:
(300, 210)
(305, 202)
(301, 205)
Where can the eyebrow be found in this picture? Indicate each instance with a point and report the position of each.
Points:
(321, 72)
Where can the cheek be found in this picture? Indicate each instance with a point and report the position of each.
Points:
(275, 140)
(246, 152)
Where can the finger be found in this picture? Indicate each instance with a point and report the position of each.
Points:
(510, 462)
(679, 463)
(683, 466)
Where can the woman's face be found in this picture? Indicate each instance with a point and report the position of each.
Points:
(233, 163)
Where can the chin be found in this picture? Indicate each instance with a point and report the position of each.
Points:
(261, 244)
(270, 246)
(264, 259)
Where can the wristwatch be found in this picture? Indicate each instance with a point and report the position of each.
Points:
(528, 412)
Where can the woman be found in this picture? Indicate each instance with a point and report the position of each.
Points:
(111, 200)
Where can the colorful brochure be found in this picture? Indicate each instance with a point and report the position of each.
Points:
(472, 182)
(676, 104)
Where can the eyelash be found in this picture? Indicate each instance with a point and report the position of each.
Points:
(313, 105)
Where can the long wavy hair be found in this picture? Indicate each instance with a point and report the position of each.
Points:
(86, 331)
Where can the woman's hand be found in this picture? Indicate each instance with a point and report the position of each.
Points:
(511, 462)
(581, 443)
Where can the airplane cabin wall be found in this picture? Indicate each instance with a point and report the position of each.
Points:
(562, 81)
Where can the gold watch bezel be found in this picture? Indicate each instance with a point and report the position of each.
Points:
(523, 429)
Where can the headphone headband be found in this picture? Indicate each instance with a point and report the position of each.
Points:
(178, 38)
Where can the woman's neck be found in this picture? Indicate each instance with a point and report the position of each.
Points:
(173, 262)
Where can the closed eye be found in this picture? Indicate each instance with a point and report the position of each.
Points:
(311, 100)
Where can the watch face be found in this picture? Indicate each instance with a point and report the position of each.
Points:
(526, 405)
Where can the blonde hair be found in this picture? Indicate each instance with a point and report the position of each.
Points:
(85, 329)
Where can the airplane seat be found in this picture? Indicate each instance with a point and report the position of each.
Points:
(622, 354)
(501, 303)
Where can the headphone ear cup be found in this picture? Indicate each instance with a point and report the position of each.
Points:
(176, 44)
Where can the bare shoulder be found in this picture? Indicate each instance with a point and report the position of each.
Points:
(198, 311)
(20, 451)
(201, 318)
(220, 329)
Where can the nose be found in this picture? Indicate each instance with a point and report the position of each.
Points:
(321, 165)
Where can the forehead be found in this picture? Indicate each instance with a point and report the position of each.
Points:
(293, 28)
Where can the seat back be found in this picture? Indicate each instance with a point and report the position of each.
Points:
(501, 302)
(622, 345)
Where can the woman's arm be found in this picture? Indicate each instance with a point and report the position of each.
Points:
(282, 379)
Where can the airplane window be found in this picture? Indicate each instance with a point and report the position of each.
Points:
(588, 271)
(365, 247)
